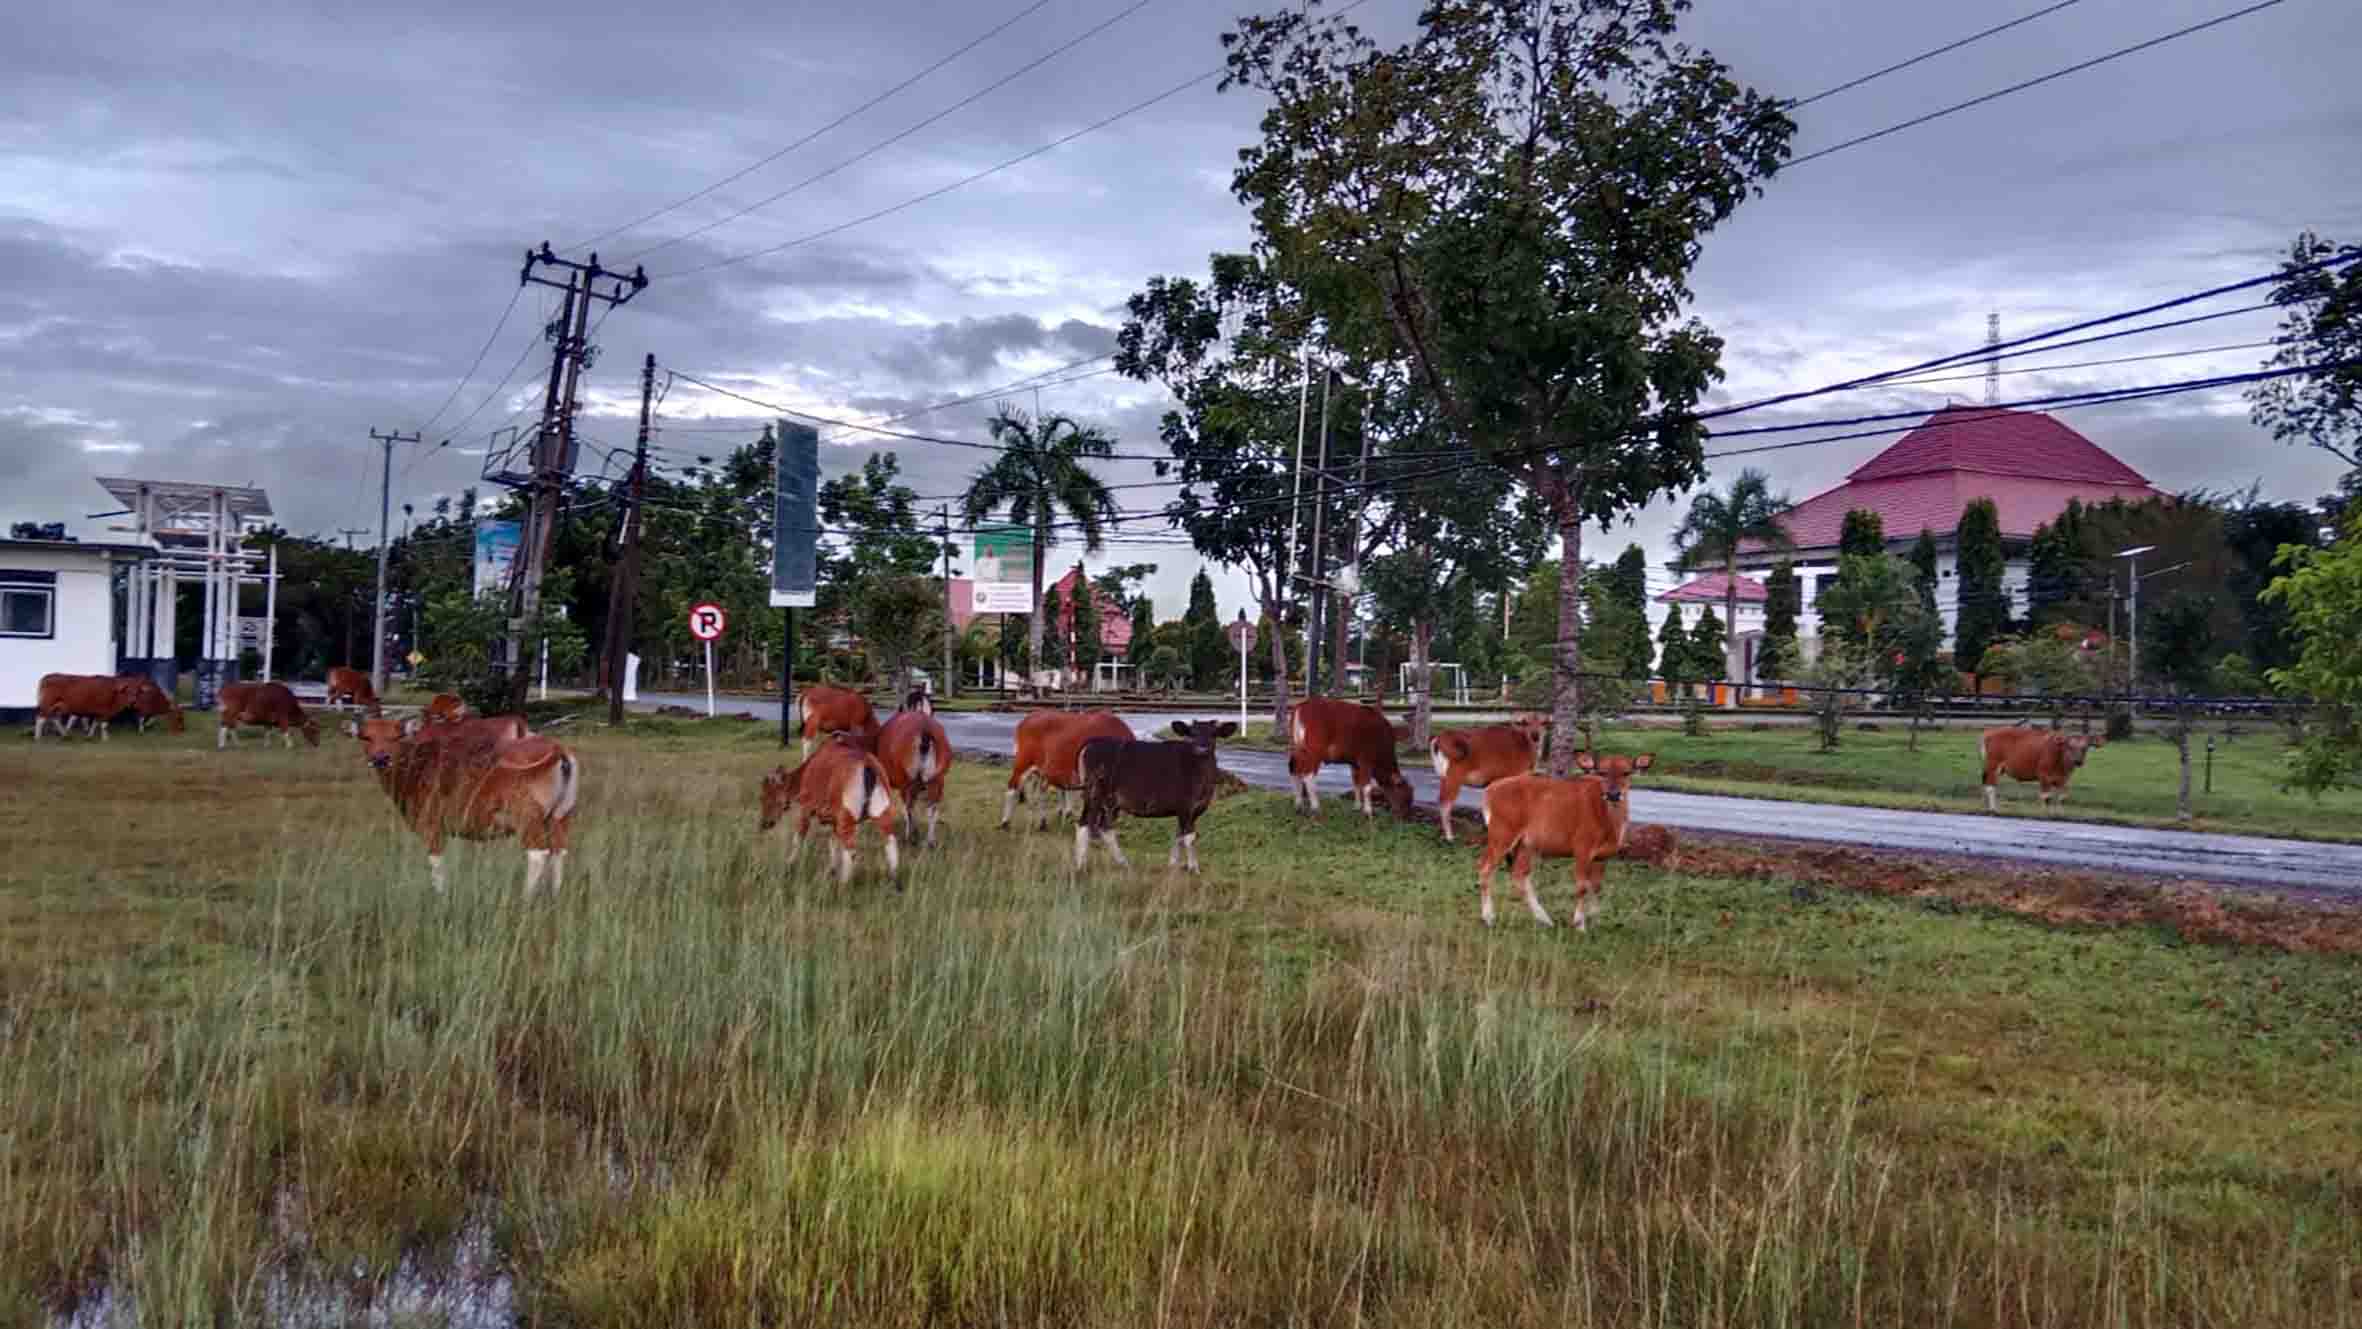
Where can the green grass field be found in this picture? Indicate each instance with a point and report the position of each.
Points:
(242, 1038)
(2132, 782)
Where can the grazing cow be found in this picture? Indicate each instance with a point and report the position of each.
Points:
(1323, 730)
(821, 710)
(1535, 815)
(843, 785)
(60, 700)
(1477, 757)
(1047, 744)
(263, 704)
(152, 702)
(916, 754)
(485, 780)
(2047, 759)
(351, 686)
(1145, 779)
(443, 709)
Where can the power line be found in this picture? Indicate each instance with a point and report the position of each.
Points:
(687, 377)
(473, 365)
(735, 176)
(865, 154)
(2077, 68)
(2088, 364)
(1896, 68)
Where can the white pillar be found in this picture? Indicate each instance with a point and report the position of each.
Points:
(270, 612)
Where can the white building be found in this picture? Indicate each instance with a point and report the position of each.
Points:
(57, 614)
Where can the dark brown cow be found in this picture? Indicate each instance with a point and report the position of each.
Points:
(842, 785)
(2042, 757)
(1047, 744)
(1477, 757)
(351, 686)
(262, 704)
(1535, 815)
(1323, 730)
(477, 781)
(1145, 779)
(821, 710)
(444, 708)
(916, 754)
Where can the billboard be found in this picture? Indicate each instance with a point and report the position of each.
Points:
(795, 518)
(496, 555)
(1004, 570)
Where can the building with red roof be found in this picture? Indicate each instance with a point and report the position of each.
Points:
(2027, 462)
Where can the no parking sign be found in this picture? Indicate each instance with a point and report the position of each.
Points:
(706, 621)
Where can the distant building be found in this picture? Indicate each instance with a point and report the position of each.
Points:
(2028, 463)
(57, 613)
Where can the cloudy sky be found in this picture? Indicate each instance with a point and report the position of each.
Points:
(234, 238)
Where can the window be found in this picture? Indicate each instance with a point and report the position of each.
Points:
(27, 604)
(1822, 583)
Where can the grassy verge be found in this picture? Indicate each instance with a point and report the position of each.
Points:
(241, 1037)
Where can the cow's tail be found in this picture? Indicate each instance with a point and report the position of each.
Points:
(867, 798)
(795, 713)
(1444, 749)
(569, 785)
(1296, 727)
(928, 756)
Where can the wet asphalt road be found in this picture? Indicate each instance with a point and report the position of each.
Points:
(2327, 869)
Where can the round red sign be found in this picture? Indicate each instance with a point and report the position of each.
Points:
(706, 621)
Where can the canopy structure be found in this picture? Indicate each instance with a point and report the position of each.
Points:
(199, 531)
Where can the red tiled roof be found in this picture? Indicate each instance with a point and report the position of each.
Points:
(1115, 626)
(1714, 588)
(2026, 462)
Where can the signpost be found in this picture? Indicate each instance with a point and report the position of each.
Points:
(706, 621)
(795, 549)
(496, 554)
(1242, 635)
(1004, 570)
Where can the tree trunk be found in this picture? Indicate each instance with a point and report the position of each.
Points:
(1566, 706)
(2181, 741)
(1279, 669)
(1033, 621)
(1422, 692)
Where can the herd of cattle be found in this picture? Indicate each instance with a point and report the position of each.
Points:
(451, 774)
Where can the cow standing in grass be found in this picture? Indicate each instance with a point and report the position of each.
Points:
(352, 687)
(1322, 730)
(262, 704)
(1477, 757)
(1168, 779)
(843, 785)
(916, 755)
(820, 710)
(60, 701)
(1585, 819)
(2045, 759)
(479, 780)
(1048, 743)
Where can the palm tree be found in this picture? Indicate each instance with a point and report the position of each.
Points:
(1039, 475)
(1718, 524)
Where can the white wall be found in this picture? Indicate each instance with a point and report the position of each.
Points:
(85, 619)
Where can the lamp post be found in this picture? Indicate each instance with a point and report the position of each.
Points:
(2132, 611)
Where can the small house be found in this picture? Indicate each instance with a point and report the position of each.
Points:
(57, 614)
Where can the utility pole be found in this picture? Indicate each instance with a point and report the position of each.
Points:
(950, 679)
(553, 444)
(1320, 550)
(385, 510)
(624, 590)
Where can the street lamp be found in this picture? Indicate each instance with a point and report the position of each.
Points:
(2133, 666)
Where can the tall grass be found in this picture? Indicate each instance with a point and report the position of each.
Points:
(696, 1089)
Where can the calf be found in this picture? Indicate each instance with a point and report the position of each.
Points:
(351, 686)
(916, 754)
(1323, 730)
(262, 704)
(487, 780)
(1048, 742)
(821, 710)
(2047, 759)
(1149, 780)
(1584, 819)
(443, 709)
(841, 784)
(1477, 757)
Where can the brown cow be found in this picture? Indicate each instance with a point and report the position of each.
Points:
(262, 704)
(916, 754)
(352, 686)
(821, 710)
(485, 780)
(59, 700)
(1477, 757)
(1168, 779)
(1047, 744)
(1583, 819)
(843, 785)
(443, 709)
(1323, 730)
(2047, 759)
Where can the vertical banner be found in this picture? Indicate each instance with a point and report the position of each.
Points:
(1004, 570)
(795, 518)
(496, 555)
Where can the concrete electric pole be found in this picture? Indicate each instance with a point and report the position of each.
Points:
(385, 508)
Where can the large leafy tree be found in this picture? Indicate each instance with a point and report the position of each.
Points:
(2321, 592)
(1982, 615)
(1511, 205)
(1042, 476)
(1718, 524)
(2256, 532)
(2321, 325)
(1143, 642)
